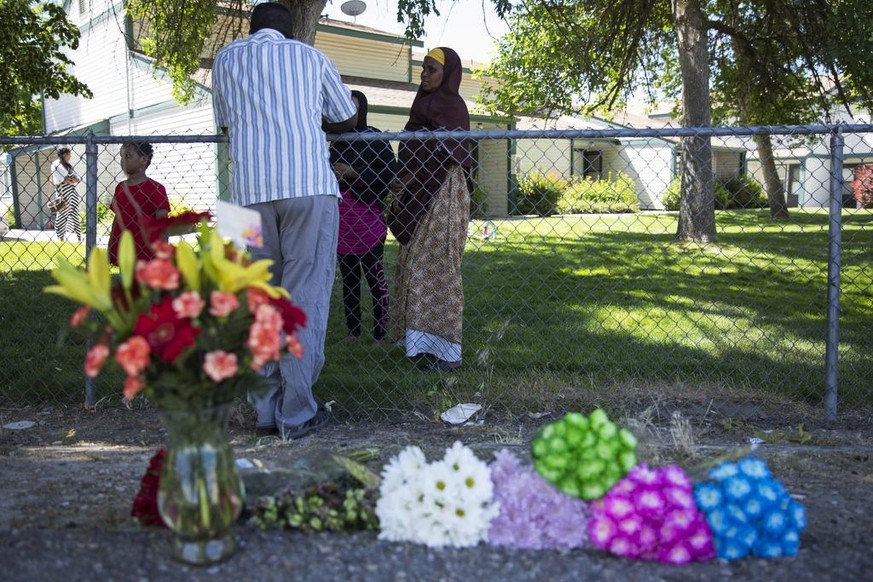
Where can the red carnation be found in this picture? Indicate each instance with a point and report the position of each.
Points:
(293, 317)
(166, 333)
(183, 223)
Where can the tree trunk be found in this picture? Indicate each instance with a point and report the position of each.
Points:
(697, 209)
(306, 14)
(772, 183)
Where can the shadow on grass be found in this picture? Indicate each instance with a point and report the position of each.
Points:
(556, 322)
(616, 307)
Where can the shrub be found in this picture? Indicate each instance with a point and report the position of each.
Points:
(744, 192)
(672, 196)
(722, 196)
(478, 204)
(740, 192)
(588, 196)
(9, 217)
(105, 216)
(539, 193)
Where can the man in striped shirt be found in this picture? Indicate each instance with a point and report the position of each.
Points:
(275, 97)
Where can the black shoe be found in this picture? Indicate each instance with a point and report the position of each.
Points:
(262, 431)
(320, 420)
(442, 367)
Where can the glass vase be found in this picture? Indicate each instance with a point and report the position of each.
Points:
(200, 494)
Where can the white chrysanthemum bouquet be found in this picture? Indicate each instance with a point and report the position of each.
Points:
(444, 503)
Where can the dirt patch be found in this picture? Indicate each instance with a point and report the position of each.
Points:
(69, 481)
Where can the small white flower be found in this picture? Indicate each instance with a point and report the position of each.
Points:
(411, 460)
(458, 456)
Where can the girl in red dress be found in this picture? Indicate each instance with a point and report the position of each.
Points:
(138, 201)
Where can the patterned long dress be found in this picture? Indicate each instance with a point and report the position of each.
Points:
(428, 303)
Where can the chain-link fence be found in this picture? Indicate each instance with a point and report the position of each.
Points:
(574, 284)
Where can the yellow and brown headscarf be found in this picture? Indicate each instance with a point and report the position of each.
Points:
(443, 108)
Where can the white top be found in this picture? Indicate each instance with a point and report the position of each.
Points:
(271, 93)
(60, 172)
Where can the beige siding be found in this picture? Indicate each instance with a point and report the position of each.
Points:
(649, 164)
(387, 121)
(544, 155)
(492, 176)
(363, 57)
(726, 165)
(469, 88)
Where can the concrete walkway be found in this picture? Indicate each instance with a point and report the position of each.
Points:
(17, 234)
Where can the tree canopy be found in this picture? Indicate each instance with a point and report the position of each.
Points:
(33, 36)
(180, 36)
(769, 61)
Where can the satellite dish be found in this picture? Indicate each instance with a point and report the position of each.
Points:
(353, 7)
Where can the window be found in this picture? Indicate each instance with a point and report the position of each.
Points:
(589, 163)
(84, 6)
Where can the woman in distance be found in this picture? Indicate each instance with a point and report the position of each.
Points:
(429, 217)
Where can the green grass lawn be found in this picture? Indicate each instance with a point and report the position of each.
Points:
(560, 311)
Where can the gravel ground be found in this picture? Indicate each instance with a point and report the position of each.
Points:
(70, 479)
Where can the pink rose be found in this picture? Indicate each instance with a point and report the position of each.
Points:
(188, 304)
(94, 359)
(133, 355)
(220, 365)
(222, 303)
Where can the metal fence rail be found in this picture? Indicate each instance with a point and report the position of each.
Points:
(573, 282)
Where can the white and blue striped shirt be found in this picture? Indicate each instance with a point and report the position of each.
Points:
(271, 93)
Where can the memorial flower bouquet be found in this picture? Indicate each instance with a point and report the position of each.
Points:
(192, 327)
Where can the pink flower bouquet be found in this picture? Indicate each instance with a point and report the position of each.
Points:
(651, 515)
(190, 328)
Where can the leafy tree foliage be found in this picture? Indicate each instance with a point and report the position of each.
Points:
(782, 63)
(183, 36)
(32, 38)
(588, 57)
(174, 34)
(771, 62)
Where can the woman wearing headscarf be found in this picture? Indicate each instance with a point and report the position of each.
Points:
(429, 218)
(363, 169)
(65, 180)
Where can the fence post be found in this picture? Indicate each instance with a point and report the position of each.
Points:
(835, 218)
(90, 236)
